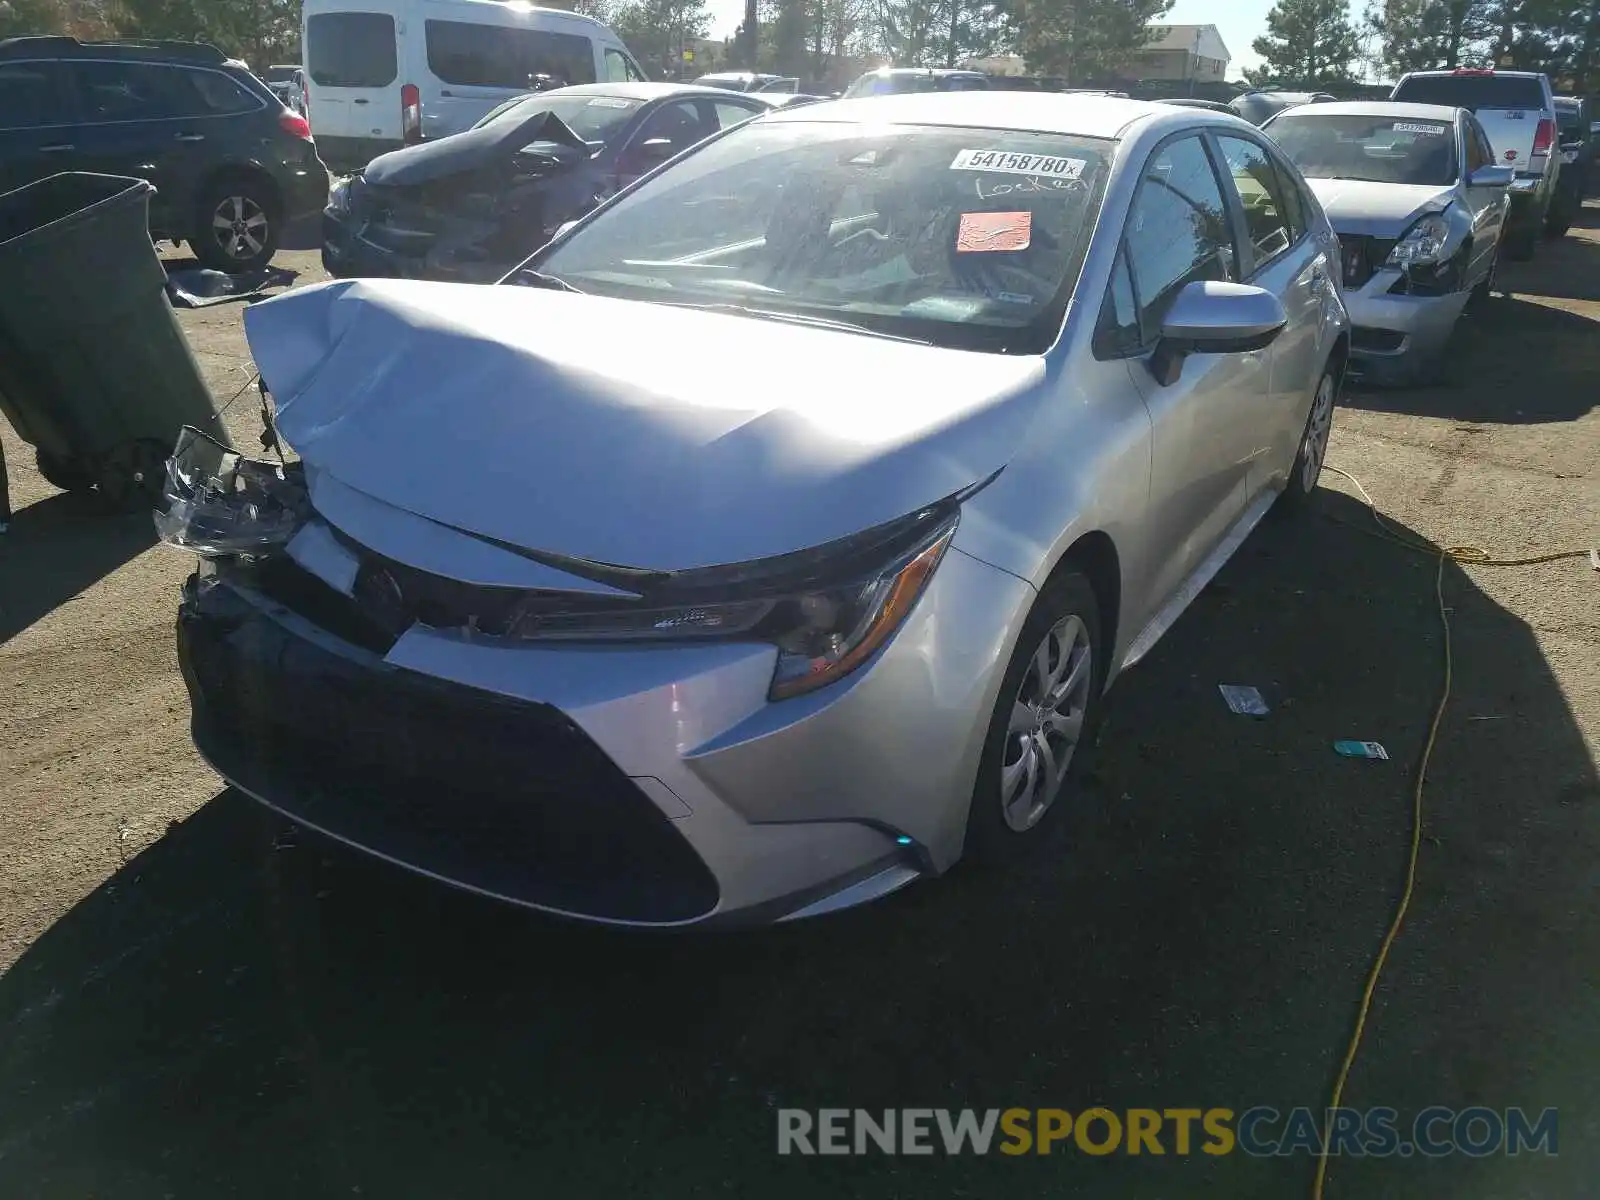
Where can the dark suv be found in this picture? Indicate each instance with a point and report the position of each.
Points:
(230, 164)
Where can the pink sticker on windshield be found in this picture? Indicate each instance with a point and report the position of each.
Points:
(990, 231)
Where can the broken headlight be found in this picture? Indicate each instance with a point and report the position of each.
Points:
(823, 630)
(1424, 243)
(216, 502)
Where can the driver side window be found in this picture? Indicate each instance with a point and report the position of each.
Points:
(1178, 231)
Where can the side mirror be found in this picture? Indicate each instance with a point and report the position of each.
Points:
(1491, 177)
(1215, 318)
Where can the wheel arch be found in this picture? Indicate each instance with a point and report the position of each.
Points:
(1095, 555)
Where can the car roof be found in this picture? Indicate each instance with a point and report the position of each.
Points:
(1378, 108)
(1469, 72)
(646, 91)
(1035, 112)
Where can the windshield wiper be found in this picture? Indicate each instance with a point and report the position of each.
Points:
(528, 277)
(768, 314)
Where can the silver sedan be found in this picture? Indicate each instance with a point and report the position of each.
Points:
(1420, 207)
(770, 539)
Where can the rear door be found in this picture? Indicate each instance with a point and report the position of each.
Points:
(154, 121)
(473, 67)
(37, 137)
(352, 75)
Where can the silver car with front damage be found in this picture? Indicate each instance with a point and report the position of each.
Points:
(1420, 208)
(768, 540)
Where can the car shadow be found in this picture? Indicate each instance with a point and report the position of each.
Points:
(251, 1010)
(56, 548)
(1551, 375)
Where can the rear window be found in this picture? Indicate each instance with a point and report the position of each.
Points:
(497, 56)
(1472, 91)
(351, 50)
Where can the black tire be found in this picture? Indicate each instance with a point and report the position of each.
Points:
(1519, 245)
(256, 217)
(1309, 457)
(992, 841)
(67, 474)
(1484, 292)
(130, 477)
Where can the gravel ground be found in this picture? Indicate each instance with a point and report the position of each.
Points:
(198, 1004)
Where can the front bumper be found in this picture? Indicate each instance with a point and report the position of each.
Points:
(642, 786)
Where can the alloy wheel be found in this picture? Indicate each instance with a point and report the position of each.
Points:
(240, 227)
(1046, 723)
(1318, 428)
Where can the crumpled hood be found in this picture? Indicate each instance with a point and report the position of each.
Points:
(1377, 209)
(623, 432)
(474, 149)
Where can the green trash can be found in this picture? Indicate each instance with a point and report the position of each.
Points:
(94, 370)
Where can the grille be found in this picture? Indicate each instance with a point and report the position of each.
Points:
(1360, 257)
(502, 795)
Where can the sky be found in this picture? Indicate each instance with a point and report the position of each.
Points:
(1239, 21)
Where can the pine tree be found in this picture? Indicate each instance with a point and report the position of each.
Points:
(1087, 41)
(1311, 43)
(1419, 35)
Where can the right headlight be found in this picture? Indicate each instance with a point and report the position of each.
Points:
(1423, 244)
(217, 503)
(823, 629)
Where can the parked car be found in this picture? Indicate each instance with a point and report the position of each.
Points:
(894, 81)
(470, 207)
(390, 73)
(280, 77)
(231, 165)
(1517, 111)
(1576, 143)
(769, 539)
(1419, 205)
(1194, 102)
(1259, 107)
(749, 81)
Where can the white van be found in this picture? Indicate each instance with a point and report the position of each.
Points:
(385, 73)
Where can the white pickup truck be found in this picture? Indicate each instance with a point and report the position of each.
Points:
(1517, 110)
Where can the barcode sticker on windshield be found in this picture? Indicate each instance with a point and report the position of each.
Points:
(1421, 130)
(607, 102)
(1006, 163)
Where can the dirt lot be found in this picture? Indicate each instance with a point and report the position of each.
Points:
(200, 1004)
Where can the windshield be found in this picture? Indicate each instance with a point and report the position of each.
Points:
(969, 238)
(593, 118)
(1377, 149)
(1471, 91)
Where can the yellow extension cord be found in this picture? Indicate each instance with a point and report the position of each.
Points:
(1472, 556)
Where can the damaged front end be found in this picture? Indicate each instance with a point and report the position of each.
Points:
(468, 216)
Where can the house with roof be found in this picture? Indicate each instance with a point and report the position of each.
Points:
(1188, 53)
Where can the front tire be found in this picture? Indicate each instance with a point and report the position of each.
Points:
(1044, 717)
(237, 222)
(1313, 452)
(68, 474)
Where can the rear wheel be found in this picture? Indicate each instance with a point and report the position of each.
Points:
(1045, 714)
(131, 475)
(68, 474)
(236, 225)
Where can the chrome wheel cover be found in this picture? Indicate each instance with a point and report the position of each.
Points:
(1319, 426)
(1046, 723)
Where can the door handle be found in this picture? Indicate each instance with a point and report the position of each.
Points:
(447, 92)
(362, 100)
(190, 137)
(58, 148)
